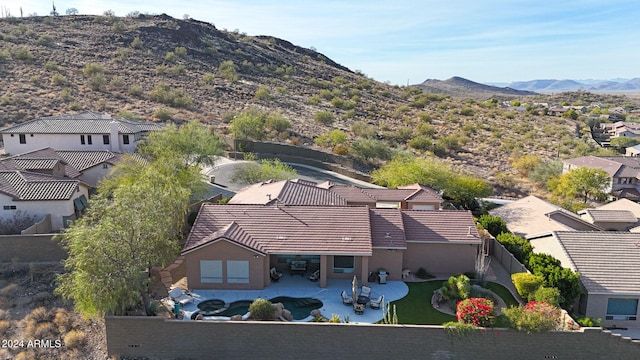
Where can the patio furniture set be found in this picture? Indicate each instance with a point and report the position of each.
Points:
(361, 300)
(296, 267)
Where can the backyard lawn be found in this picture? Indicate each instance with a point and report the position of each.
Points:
(416, 308)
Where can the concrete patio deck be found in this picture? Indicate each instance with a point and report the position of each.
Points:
(299, 287)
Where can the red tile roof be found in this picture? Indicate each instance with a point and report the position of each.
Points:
(287, 192)
(387, 229)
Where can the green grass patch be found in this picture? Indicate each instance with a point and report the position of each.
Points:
(416, 308)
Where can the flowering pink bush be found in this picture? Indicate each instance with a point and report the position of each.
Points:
(475, 311)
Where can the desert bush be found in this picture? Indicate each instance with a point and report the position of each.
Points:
(92, 69)
(74, 339)
(371, 149)
(180, 51)
(466, 111)
(343, 104)
(228, 70)
(51, 66)
(135, 91)
(363, 130)
(314, 100)
(526, 284)
(525, 164)
(9, 291)
(118, 26)
(137, 43)
(170, 56)
(277, 122)
(324, 117)
(163, 114)
(116, 82)
(23, 53)
(262, 93)
(163, 93)
(331, 138)
(97, 82)
(475, 311)
(63, 320)
(261, 309)
(421, 142)
(456, 288)
(249, 124)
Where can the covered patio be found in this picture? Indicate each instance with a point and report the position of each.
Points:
(301, 287)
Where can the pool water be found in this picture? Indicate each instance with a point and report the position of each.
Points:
(209, 307)
(300, 307)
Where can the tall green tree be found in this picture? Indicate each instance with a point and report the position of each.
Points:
(132, 224)
(583, 181)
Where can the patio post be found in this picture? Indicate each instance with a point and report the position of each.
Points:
(364, 271)
(323, 271)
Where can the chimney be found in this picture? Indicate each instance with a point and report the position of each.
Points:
(115, 139)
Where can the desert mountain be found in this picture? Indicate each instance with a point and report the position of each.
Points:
(546, 86)
(460, 87)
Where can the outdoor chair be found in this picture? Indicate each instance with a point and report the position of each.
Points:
(365, 292)
(179, 296)
(347, 300)
(315, 276)
(375, 304)
(358, 309)
(275, 275)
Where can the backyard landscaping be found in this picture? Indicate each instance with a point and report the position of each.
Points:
(416, 308)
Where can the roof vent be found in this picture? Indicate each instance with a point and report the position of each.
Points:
(347, 238)
(282, 237)
(387, 235)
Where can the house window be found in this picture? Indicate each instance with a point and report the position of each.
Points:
(105, 166)
(81, 139)
(237, 272)
(211, 271)
(622, 309)
(9, 207)
(105, 139)
(23, 138)
(89, 139)
(343, 264)
(125, 139)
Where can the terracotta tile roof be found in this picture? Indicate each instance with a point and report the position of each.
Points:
(387, 229)
(422, 194)
(287, 192)
(330, 230)
(352, 194)
(440, 226)
(389, 194)
(41, 159)
(231, 232)
(608, 261)
(23, 185)
(81, 123)
(82, 160)
(619, 216)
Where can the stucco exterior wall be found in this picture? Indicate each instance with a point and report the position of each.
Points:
(64, 142)
(157, 338)
(93, 175)
(390, 260)
(597, 309)
(224, 250)
(440, 258)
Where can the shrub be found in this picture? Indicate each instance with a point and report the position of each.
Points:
(58, 79)
(118, 26)
(92, 69)
(534, 317)
(421, 142)
(262, 94)
(51, 66)
(331, 138)
(228, 70)
(163, 93)
(170, 56)
(475, 311)
(261, 309)
(277, 122)
(23, 53)
(493, 224)
(324, 117)
(63, 320)
(549, 295)
(456, 288)
(97, 82)
(370, 149)
(314, 100)
(137, 43)
(163, 114)
(248, 125)
(74, 339)
(520, 248)
(135, 90)
(423, 274)
(116, 82)
(589, 322)
(363, 130)
(526, 284)
(180, 51)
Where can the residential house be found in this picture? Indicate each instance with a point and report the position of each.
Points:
(621, 129)
(235, 246)
(609, 267)
(82, 131)
(610, 220)
(532, 217)
(301, 192)
(623, 170)
(39, 194)
(89, 166)
(633, 151)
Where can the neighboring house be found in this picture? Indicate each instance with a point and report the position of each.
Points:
(301, 192)
(81, 131)
(531, 217)
(39, 194)
(621, 129)
(609, 267)
(235, 246)
(633, 151)
(623, 170)
(89, 166)
(610, 220)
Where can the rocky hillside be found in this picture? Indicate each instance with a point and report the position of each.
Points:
(164, 69)
(460, 87)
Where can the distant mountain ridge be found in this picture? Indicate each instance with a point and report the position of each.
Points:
(552, 85)
(457, 86)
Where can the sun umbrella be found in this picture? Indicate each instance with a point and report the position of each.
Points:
(354, 288)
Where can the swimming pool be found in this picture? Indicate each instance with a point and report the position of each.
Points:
(300, 308)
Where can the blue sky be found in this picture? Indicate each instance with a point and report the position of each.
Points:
(410, 41)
